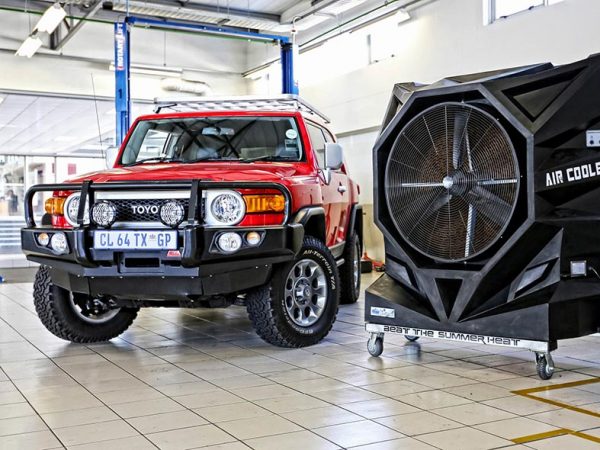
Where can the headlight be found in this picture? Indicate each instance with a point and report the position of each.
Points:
(104, 213)
(172, 213)
(71, 208)
(227, 208)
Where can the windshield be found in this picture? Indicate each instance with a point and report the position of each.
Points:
(196, 139)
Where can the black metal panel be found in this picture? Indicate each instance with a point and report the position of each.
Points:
(521, 285)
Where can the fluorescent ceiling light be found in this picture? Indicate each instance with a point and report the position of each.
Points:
(327, 12)
(51, 19)
(29, 46)
(402, 15)
(341, 6)
(310, 21)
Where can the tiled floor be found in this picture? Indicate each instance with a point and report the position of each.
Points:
(182, 379)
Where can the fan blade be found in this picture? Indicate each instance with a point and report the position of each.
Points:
(471, 218)
(436, 204)
(422, 185)
(411, 210)
(460, 127)
(493, 182)
(489, 204)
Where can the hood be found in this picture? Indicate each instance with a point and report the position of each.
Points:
(258, 171)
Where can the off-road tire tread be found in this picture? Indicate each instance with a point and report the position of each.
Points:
(259, 304)
(44, 302)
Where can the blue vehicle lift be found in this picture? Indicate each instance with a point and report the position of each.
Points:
(123, 62)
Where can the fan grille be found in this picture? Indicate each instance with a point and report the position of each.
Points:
(451, 181)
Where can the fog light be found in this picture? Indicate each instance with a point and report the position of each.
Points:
(229, 242)
(253, 238)
(59, 244)
(104, 214)
(578, 268)
(43, 239)
(171, 213)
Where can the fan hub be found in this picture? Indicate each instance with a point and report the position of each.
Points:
(448, 182)
(458, 183)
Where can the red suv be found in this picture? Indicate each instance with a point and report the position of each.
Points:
(210, 203)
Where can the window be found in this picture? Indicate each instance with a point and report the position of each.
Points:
(501, 9)
(318, 143)
(214, 139)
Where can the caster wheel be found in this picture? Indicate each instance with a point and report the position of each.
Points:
(411, 338)
(375, 346)
(544, 366)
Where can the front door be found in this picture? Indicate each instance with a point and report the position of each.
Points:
(335, 193)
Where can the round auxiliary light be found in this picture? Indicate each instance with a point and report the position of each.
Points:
(71, 208)
(229, 242)
(228, 208)
(172, 213)
(58, 243)
(43, 239)
(253, 238)
(104, 213)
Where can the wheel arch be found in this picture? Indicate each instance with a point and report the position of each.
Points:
(312, 218)
(356, 222)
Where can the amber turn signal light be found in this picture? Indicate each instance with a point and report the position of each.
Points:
(55, 205)
(265, 203)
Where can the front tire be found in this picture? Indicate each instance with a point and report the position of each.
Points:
(300, 305)
(350, 271)
(58, 311)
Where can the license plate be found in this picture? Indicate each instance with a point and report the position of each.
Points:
(135, 240)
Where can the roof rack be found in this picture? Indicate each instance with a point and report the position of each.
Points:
(285, 102)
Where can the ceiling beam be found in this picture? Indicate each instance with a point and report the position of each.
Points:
(77, 11)
(92, 10)
(212, 9)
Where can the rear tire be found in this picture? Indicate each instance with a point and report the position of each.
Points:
(57, 311)
(299, 306)
(350, 271)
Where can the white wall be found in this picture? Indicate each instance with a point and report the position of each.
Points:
(445, 38)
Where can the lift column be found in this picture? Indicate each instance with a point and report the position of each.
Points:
(122, 69)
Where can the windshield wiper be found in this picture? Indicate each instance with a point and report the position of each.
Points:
(153, 159)
(191, 161)
(258, 158)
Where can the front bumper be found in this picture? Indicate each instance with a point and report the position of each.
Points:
(148, 275)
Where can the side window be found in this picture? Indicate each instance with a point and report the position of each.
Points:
(328, 136)
(318, 143)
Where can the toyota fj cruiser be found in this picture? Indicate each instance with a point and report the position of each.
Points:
(210, 203)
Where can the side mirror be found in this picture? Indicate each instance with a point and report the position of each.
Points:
(111, 156)
(334, 156)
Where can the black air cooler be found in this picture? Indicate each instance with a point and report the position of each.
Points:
(487, 191)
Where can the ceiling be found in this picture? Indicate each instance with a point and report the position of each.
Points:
(264, 6)
(55, 126)
(262, 15)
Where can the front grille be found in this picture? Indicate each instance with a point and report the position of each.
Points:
(142, 210)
